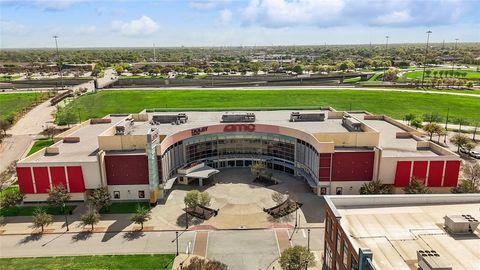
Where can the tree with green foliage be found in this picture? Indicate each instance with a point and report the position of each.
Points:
(191, 70)
(58, 196)
(416, 186)
(195, 197)
(41, 218)
(90, 218)
(298, 69)
(12, 199)
(416, 123)
(4, 125)
(346, 65)
(471, 171)
(375, 187)
(100, 198)
(258, 168)
(197, 263)
(409, 117)
(296, 258)
(391, 74)
(466, 186)
(432, 118)
(141, 215)
(66, 117)
(432, 128)
(461, 140)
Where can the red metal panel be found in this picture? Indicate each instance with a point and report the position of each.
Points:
(435, 174)
(420, 170)
(126, 169)
(25, 180)
(452, 170)
(160, 175)
(42, 182)
(57, 174)
(324, 172)
(352, 166)
(402, 175)
(75, 179)
(325, 162)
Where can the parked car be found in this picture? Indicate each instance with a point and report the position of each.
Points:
(475, 154)
(465, 151)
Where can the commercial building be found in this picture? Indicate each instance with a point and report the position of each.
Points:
(427, 232)
(141, 155)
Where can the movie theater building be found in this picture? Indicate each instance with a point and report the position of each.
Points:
(140, 156)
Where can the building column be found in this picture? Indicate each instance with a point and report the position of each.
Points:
(200, 182)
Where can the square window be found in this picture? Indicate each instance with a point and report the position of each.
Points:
(116, 194)
(141, 194)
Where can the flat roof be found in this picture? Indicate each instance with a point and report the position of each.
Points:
(198, 119)
(394, 233)
(85, 150)
(390, 144)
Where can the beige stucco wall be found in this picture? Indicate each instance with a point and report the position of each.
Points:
(122, 142)
(129, 192)
(43, 197)
(350, 139)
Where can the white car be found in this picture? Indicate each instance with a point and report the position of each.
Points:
(475, 154)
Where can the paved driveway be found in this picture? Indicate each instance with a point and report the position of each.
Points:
(243, 250)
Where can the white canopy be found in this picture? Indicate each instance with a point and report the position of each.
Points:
(203, 173)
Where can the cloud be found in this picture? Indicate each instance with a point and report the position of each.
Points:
(12, 28)
(87, 30)
(395, 17)
(207, 4)
(142, 26)
(280, 13)
(51, 5)
(225, 16)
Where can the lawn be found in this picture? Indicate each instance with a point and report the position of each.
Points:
(11, 103)
(144, 261)
(124, 207)
(395, 104)
(353, 80)
(7, 78)
(40, 144)
(418, 74)
(8, 189)
(28, 210)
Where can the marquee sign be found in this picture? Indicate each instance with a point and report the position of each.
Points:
(239, 128)
(198, 131)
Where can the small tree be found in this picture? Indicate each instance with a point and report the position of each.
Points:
(296, 258)
(41, 218)
(459, 140)
(12, 199)
(197, 263)
(375, 187)
(100, 198)
(90, 218)
(409, 117)
(4, 125)
(258, 168)
(141, 215)
(416, 123)
(466, 186)
(195, 197)
(432, 128)
(416, 186)
(471, 171)
(298, 69)
(58, 196)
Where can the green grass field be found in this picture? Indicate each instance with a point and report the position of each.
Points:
(9, 189)
(39, 144)
(10, 103)
(28, 210)
(144, 261)
(395, 104)
(123, 207)
(418, 74)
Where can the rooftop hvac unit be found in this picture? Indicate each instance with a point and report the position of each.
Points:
(307, 117)
(124, 127)
(460, 224)
(238, 117)
(352, 124)
(180, 118)
(431, 260)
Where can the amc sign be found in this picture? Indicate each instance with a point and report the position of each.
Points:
(198, 131)
(239, 128)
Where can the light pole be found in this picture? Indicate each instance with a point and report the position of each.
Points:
(176, 240)
(308, 240)
(65, 213)
(186, 217)
(446, 125)
(453, 58)
(59, 62)
(425, 58)
(386, 56)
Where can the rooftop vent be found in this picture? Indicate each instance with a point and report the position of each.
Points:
(352, 124)
(180, 118)
(124, 127)
(460, 224)
(71, 139)
(238, 117)
(431, 260)
(307, 117)
(94, 121)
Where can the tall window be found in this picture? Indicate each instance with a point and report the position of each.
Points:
(353, 263)
(328, 257)
(345, 255)
(339, 241)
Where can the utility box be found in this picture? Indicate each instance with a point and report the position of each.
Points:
(460, 224)
(238, 117)
(431, 260)
(307, 117)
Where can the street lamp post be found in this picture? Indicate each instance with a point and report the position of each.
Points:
(425, 58)
(65, 213)
(386, 56)
(308, 240)
(453, 58)
(186, 217)
(446, 125)
(176, 240)
(60, 62)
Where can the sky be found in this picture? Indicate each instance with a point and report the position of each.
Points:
(167, 23)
